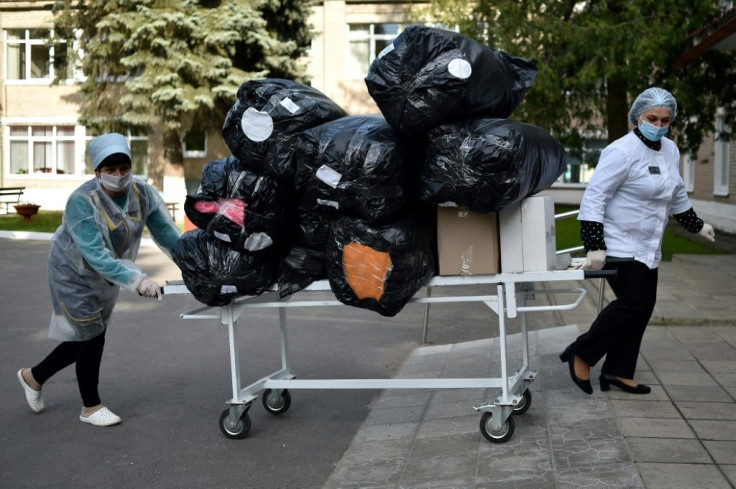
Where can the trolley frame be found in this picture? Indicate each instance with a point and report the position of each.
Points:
(510, 301)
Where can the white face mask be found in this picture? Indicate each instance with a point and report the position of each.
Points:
(116, 184)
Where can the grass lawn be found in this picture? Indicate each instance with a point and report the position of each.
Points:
(43, 222)
(567, 233)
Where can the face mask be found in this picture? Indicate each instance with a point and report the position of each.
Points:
(116, 184)
(652, 132)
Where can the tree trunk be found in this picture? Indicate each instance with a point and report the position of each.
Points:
(617, 108)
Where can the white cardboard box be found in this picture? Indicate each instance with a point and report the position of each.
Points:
(527, 235)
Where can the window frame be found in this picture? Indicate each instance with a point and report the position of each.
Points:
(31, 140)
(721, 156)
(688, 171)
(26, 45)
(193, 153)
(371, 37)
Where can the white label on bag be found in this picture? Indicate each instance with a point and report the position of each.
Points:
(289, 105)
(222, 236)
(328, 176)
(257, 126)
(328, 203)
(459, 68)
(386, 50)
(257, 242)
(228, 289)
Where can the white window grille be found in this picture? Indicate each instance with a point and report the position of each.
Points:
(42, 150)
(365, 43)
(722, 156)
(688, 172)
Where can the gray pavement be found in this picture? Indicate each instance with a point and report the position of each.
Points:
(681, 435)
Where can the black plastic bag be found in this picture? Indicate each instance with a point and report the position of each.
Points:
(249, 210)
(215, 273)
(429, 76)
(305, 261)
(268, 112)
(487, 164)
(380, 267)
(356, 166)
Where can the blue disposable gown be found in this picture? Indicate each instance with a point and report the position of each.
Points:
(93, 252)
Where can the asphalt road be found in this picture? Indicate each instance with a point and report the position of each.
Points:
(169, 379)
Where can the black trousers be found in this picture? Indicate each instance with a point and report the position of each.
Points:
(618, 330)
(87, 355)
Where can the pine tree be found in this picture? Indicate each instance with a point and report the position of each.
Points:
(177, 63)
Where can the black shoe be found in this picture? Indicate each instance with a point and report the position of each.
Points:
(608, 380)
(569, 357)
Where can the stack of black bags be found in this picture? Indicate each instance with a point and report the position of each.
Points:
(312, 193)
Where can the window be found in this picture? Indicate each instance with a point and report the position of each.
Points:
(194, 144)
(42, 149)
(581, 162)
(722, 156)
(138, 143)
(688, 172)
(29, 57)
(365, 43)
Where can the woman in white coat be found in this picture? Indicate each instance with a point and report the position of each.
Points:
(91, 257)
(635, 188)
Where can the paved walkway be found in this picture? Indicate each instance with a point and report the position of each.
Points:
(682, 435)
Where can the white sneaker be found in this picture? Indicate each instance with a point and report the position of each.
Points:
(34, 397)
(101, 417)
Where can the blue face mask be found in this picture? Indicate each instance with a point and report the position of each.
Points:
(652, 132)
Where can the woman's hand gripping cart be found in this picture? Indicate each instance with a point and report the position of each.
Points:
(510, 301)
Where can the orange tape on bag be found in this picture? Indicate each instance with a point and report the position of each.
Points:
(365, 270)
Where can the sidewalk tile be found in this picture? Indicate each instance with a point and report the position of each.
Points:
(706, 410)
(730, 471)
(668, 450)
(644, 409)
(655, 428)
(600, 476)
(681, 476)
(714, 430)
(725, 379)
(659, 365)
(684, 378)
(697, 393)
(723, 452)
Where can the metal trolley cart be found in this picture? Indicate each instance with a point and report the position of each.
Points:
(510, 301)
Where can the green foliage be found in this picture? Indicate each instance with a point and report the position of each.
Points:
(595, 57)
(177, 63)
(43, 222)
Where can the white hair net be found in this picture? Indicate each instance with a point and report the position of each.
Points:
(652, 97)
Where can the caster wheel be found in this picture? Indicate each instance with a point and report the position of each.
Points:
(235, 431)
(275, 404)
(501, 436)
(524, 404)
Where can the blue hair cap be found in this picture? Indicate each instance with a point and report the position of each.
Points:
(652, 97)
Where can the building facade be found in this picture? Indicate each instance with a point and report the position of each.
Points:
(42, 147)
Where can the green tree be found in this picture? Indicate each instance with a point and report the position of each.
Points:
(177, 63)
(595, 56)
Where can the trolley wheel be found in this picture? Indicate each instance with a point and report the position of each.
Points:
(501, 436)
(524, 404)
(238, 430)
(276, 405)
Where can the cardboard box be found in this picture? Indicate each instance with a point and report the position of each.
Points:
(467, 242)
(528, 242)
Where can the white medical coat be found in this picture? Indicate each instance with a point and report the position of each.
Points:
(633, 192)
